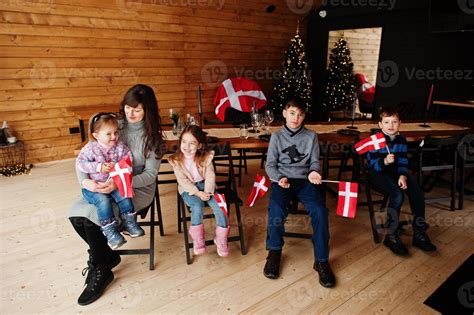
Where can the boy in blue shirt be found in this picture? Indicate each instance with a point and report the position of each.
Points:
(389, 172)
(293, 167)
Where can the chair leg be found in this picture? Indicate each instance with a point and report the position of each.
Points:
(243, 249)
(262, 160)
(462, 178)
(453, 182)
(185, 233)
(152, 236)
(245, 161)
(160, 217)
(241, 157)
(373, 223)
(178, 202)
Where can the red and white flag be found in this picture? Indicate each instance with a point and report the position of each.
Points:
(122, 176)
(347, 200)
(260, 188)
(220, 198)
(374, 142)
(239, 93)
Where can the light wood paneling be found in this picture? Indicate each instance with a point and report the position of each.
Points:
(60, 54)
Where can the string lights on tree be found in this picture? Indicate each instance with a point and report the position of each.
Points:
(341, 82)
(295, 80)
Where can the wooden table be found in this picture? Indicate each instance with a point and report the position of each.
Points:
(454, 103)
(327, 132)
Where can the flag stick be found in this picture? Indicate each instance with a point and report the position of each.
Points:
(324, 181)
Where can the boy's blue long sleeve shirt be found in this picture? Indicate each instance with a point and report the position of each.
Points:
(398, 147)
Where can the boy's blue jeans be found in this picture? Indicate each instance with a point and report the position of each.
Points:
(312, 200)
(388, 183)
(103, 203)
(197, 207)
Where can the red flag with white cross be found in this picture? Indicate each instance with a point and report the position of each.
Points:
(260, 188)
(239, 93)
(347, 200)
(220, 198)
(374, 142)
(122, 176)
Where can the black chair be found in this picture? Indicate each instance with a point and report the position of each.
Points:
(466, 155)
(226, 184)
(438, 155)
(361, 171)
(142, 213)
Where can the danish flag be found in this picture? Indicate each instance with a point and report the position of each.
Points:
(122, 176)
(260, 187)
(239, 93)
(347, 200)
(220, 198)
(374, 142)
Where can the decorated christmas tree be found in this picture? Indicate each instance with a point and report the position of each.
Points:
(295, 80)
(341, 83)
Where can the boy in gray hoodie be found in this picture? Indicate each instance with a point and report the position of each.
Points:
(293, 167)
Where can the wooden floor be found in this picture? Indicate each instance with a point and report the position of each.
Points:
(42, 259)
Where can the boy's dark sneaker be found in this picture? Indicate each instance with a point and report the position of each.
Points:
(98, 278)
(272, 266)
(422, 241)
(395, 244)
(326, 276)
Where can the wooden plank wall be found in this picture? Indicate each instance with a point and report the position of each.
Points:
(364, 44)
(59, 54)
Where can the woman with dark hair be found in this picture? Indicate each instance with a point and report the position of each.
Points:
(140, 130)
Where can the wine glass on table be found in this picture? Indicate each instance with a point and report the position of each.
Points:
(268, 120)
(256, 120)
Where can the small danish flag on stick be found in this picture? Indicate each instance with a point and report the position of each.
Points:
(347, 200)
(374, 142)
(122, 176)
(260, 188)
(220, 198)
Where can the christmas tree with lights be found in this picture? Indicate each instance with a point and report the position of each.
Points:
(341, 83)
(295, 80)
